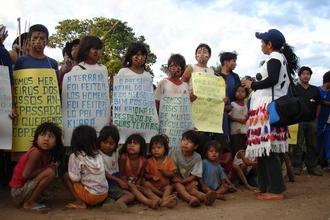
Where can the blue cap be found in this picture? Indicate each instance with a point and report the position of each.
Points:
(272, 35)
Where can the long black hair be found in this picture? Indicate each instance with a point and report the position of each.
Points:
(135, 138)
(84, 140)
(132, 50)
(56, 153)
(85, 44)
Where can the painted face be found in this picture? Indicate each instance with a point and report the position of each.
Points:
(108, 146)
(133, 148)
(139, 59)
(174, 70)
(38, 41)
(158, 150)
(94, 55)
(212, 154)
(240, 93)
(46, 141)
(305, 76)
(187, 146)
(202, 55)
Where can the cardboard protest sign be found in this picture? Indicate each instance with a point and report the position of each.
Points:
(37, 100)
(208, 108)
(134, 108)
(175, 117)
(85, 101)
(5, 108)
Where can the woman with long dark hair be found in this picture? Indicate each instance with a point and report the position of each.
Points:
(265, 142)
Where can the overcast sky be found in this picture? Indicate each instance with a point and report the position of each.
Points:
(178, 26)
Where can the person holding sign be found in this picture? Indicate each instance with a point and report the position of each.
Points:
(36, 169)
(265, 142)
(85, 90)
(134, 108)
(172, 101)
(202, 55)
(36, 90)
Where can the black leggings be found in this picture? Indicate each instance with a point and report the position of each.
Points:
(269, 172)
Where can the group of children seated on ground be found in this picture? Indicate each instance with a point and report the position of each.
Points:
(99, 173)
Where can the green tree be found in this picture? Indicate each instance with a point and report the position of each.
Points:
(115, 34)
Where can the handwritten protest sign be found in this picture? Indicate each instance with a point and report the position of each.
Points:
(85, 101)
(37, 100)
(208, 108)
(5, 108)
(134, 108)
(293, 130)
(175, 117)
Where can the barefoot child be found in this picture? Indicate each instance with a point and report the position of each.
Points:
(36, 168)
(214, 179)
(108, 143)
(238, 117)
(189, 170)
(132, 163)
(242, 166)
(86, 175)
(160, 170)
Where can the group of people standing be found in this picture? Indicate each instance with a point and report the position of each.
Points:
(95, 171)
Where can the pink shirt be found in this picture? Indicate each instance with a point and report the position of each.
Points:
(17, 181)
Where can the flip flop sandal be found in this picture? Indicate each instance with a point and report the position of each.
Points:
(74, 206)
(38, 208)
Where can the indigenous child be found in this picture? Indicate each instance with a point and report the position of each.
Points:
(172, 85)
(214, 178)
(226, 161)
(89, 54)
(36, 169)
(159, 171)
(242, 166)
(135, 60)
(132, 163)
(238, 117)
(108, 143)
(70, 58)
(189, 170)
(38, 39)
(202, 55)
(86, 174)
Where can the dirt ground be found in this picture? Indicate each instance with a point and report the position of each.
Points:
(307, 198)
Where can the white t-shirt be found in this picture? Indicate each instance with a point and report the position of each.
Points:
(89, 171)
(110, 162)
(90, 67)
(166, 87)
(128, 72)
(239, 112)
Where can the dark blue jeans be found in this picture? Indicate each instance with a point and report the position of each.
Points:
(307, 135)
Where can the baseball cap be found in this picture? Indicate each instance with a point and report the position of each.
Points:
(272, 35)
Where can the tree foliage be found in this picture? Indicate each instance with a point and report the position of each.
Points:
(115, 34)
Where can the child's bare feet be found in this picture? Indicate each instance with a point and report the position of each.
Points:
(221, 197)
(252, 188)
(154, 203)
(76, 205)
(194, 202)
(169, 202)
(210, 197)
